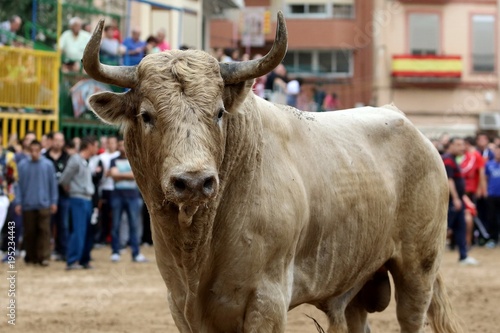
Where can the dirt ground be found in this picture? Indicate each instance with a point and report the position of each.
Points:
(131, 297)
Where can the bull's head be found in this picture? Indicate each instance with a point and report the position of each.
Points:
(173, 116)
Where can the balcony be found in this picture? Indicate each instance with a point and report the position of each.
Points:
(429, 2)
(29, 86)
(426, 70)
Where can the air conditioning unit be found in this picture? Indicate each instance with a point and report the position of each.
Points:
(489, 121)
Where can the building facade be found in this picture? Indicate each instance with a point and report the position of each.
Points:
(185, 21)
(438, 62)
(330, 44)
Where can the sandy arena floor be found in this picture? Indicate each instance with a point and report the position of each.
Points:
(131, 297)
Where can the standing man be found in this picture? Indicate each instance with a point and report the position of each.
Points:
(472, 166)
(60, 158)
(125, 198)
(25, 143)
(482, 143)
(456, 183)
(493, 177)
(77, 181)
(134, 48)
(36, 201)
(107, 187)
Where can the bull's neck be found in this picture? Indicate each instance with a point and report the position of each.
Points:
(192, 247)
(243, 145)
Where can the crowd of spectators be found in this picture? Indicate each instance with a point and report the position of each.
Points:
(68, 198)
(114, 50)
(473, 169)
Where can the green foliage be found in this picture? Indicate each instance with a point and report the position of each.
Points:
(46, 18)
(23, 8)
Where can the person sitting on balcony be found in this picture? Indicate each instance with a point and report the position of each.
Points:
(163, 45)
(135, 48)
(8, 30)
(72, 43)
(151, 46)
(111, 50)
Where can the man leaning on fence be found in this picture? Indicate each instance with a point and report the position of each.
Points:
(72, 43)
(8, 30)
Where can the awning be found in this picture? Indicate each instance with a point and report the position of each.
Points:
(230, 3)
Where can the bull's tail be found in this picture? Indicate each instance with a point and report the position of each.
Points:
(441, 316)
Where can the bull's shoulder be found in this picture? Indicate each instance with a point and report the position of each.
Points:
(393, 107)
(369, 118)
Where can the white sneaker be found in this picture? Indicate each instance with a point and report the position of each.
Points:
(115, 257)
(469, 261)
(490, 244)
(140, 258)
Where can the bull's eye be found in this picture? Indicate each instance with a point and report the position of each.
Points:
(146, 118)
(221, 113)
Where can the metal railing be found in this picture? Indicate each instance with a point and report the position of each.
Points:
(29, 91)
(29, 79)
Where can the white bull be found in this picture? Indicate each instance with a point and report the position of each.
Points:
(257, 208)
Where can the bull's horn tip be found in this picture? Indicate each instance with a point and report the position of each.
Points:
(100, 24)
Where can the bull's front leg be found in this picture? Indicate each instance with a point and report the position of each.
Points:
(266, 311)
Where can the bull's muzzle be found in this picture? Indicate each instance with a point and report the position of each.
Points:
(192, 187)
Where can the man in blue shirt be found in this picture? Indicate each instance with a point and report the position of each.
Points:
(492, 171)
(36, 199)
(135, 48)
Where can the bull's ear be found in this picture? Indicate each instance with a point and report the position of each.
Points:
(110, 107)
(235, 94)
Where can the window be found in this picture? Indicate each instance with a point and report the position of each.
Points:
(297, 9)
(308, 10)
(483, 43)
(424, 30)
(333, 63)
(340, 9)
(343, 11)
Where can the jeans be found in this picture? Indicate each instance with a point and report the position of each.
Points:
(60, 221)
(80, 237)
(105, 217)
(131, 207)
(494, 217)
(456, 222)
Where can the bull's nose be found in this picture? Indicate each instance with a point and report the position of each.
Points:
(188, 186)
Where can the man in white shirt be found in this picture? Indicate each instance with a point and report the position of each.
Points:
(72, 43)
(106, 188)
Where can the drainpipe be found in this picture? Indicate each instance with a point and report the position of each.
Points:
(33, 20)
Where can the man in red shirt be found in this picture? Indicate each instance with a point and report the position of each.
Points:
(472, 165)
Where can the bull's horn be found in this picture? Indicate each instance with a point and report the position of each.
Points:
(122, 76)
(234, 72)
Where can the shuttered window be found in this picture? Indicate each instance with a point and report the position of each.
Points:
(424, 33)
(483, 43)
